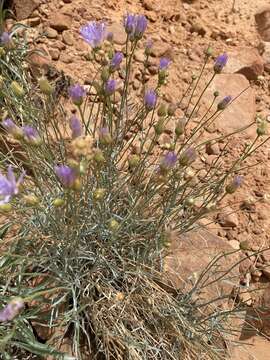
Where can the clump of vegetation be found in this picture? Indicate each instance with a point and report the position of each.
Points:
(94, 200)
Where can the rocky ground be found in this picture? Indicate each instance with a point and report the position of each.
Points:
(182, 30)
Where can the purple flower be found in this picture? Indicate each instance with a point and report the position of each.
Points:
(31, 135)
(77, 93)
(11, 128)
(116, 60)
(110, 86)
(130, 23)
(224, 103)
(94, 33)
(150, 99)
(9, 186)
(66, 175)
(188, 156)
(11, 310)
(141, 25)
(5, 38)
(75, 127)
(148, 46)
(168, 161)
(135, 25)
(235, 184)
(164, 63)
(220, 63)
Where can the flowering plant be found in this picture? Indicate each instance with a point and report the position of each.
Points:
(97, 201)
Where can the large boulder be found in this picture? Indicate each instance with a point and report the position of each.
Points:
(190, 256)
(241, 112)
(262, 18)
(246, 61)
(23, 9)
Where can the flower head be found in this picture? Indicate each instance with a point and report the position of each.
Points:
(116, 60)
(5, 38)
(11, 310)
(224, 103)
(140, 27)
(234, 184)
(94, 33)
(9, 186)
(135, 25)
(11, 128)
(188, 156)
(168, 161)
(150, 99)
(31, 135)
(66, 175)
(220, 63)
(77, 93)
(130, 23)
(75, 127)
(164, 63)
(110, 87)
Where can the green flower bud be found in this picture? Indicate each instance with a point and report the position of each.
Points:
(45, 86)
(58, 202)
(105, 74)
(162, 110)
(114, 225)
(99, 157)
(133, 161)
(159, 127)
(180, 127)
(99, 194)
(17, 89)
(190, 202)
(261, 128)
(5, 208)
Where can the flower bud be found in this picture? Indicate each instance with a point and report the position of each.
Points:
(188, 156)
(17, 89)
(77, 94)
(180, 127)
(133, 161)
(31, 135)
(234, 185)
(58, 202)
(5, 208)
(162, 111)
(99, 194)
(224, 103)
(262, 127)
(12, 309)
(159, 127)
(105, 74)
(45, 86)
(99, 157)
(77, 185)
(12, 129)
(31, 200)
(114, 225)
(189, 202)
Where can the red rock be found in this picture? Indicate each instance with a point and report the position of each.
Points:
(192, 253)
(60, 22)
(23, 9)
(246, 61)
(241, 112)
(262, 18)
